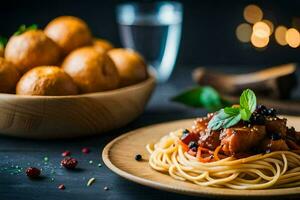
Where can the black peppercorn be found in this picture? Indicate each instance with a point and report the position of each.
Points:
(272, 112)
(257, 119)
(261, 109)
(138, 157)
(193, 146)
(275, 136)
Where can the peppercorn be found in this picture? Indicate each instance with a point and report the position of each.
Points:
(272, 112)
(261, 109)
(185, 131)
(138, 157)
(275, 136)
(257, 119)
(61, 187)
(66, 153)
(69, 163)
(85, 150)
(33, 172)
(193, 145)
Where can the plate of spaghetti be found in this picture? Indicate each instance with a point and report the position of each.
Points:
(245, 150)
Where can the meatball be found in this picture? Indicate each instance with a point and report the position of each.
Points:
(46, 81)
(9, 76)
(30, 49)
(69, 33)
(92, 70)
(241, 139)
(102, 45)
(131, 66)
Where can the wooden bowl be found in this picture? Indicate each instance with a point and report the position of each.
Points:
(45, 117)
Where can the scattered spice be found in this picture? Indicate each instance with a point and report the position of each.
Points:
(90, 181)
(69, 163)
(61, 187)
(33, 172)
(138, 157)
(66, 153)
(106, 188)
(99, 165)
(91, 162)
(85, 150)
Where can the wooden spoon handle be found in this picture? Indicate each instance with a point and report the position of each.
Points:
(274, 82)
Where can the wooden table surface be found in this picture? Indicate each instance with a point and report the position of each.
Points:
(20, 153)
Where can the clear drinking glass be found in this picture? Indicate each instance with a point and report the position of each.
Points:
(154, 30)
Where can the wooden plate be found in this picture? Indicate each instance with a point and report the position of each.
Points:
(119, 155)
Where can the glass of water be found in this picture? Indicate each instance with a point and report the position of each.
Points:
(154, 30)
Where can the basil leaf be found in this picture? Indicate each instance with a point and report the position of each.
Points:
(217, 121)
(201, 97)
(230, 116)
(224, 120)
(3, 42)
(23, 29)
(231, 111)
(231, 121)
(248, 100)
(245, 114)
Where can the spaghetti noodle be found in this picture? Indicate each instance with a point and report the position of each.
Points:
(276, 169)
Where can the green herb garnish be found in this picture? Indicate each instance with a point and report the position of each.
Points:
(230, 116)
(23, 28)
(3, 42)
(201, 97)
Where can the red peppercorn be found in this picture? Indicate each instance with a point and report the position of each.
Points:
(85, 150)
(61, 187)
(66, 153)
(33, 172)
(69, 163)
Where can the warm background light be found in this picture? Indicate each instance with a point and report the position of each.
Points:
(259, 42)
(292, 37)
(243, 32)
(253, 14)
(261, 29)
(270, 24)
(280, 35)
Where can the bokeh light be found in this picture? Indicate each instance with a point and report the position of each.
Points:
(253, 14)
(270, 24)
(243, 32)
(259, 42)
(280, 32)
(292, 37)
(261, 30)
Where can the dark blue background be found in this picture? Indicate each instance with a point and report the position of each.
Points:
(208, 28)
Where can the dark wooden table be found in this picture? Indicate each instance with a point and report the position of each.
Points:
(21, 153)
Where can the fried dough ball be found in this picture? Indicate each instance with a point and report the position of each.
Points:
(9, 76)
(30, 49)
(69, 33)
(102, 45)
(92, 70)
(131, 66)
(46, 81)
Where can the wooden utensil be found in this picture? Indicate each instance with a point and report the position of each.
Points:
(119, 156)
(275, 82)
(44, 117)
